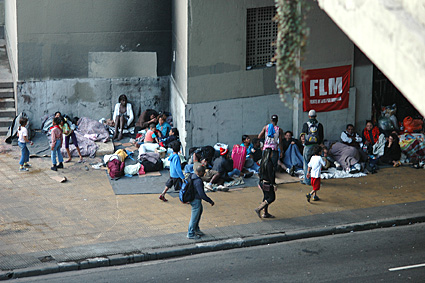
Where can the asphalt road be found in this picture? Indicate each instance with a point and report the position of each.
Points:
(368, 256)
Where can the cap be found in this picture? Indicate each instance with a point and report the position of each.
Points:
(274, 117)
(312, 113)
(223, 151)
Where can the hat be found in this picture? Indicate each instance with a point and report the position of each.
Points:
(312, 113)
(223, 151)
(274, 118)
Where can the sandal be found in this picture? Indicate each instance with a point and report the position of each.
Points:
(397, 164)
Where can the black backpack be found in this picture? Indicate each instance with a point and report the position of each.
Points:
(187, 192)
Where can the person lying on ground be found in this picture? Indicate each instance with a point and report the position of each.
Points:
(69, 133)
(123, 116)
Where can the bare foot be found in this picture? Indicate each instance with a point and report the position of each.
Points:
(119, 137)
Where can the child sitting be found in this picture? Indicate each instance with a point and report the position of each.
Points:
(150, 141)
(172, 136)
(163, 127)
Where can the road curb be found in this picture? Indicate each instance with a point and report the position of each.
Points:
(203, 247)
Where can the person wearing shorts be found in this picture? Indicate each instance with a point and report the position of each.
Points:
(314, 170)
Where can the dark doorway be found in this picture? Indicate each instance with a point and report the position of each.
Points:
(385, 94)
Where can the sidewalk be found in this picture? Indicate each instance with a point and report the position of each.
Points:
(47, 226)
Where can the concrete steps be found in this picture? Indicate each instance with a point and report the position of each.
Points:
(6, 118)
(6, 92)
(7, 96)
(7, 103)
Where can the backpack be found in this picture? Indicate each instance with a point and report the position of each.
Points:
(152, 167)
(312, 132)
(187, 192)
(116, 168)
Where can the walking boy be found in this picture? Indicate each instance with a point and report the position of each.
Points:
(314, 169)
(176, 173)
(194, 232)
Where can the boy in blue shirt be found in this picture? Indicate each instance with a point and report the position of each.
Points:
(176, 173)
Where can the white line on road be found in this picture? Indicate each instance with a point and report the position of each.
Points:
(407, 267)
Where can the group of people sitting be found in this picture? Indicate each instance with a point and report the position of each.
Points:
(291, 155)
(155, 123)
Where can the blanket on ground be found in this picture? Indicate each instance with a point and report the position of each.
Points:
(346, 155)
(89, 127)
(414, 149)
(333, 173)
(293, 157)
(87, 146)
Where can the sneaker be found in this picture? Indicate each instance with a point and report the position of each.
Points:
(200, 233)
(23, 169)
(195, 237)
(161, 197)
(27, 165)
(316, 198)
(209, 187)
(54, 168)
(222, 189)
(60, 165)
(248, 175)
(268, 215)
(292, 171)
(308, 196)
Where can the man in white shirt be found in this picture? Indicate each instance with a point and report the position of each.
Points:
(350, 137)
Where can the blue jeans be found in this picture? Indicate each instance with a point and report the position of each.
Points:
(25, 153)
(195, 217)
(57, 151)
(308, 152)
(234, 172)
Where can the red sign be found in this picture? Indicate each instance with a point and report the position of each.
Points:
(326, 89)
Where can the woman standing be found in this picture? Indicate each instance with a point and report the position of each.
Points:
(267, 183)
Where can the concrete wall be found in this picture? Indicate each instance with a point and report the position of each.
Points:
(217, 56)
(2, 19)
(93, 98)
(226, 121)
(180, 18)
(224, 100)
(56, 36)
(391, 33)
(328, 46)
(363, 80)
(11, 35)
